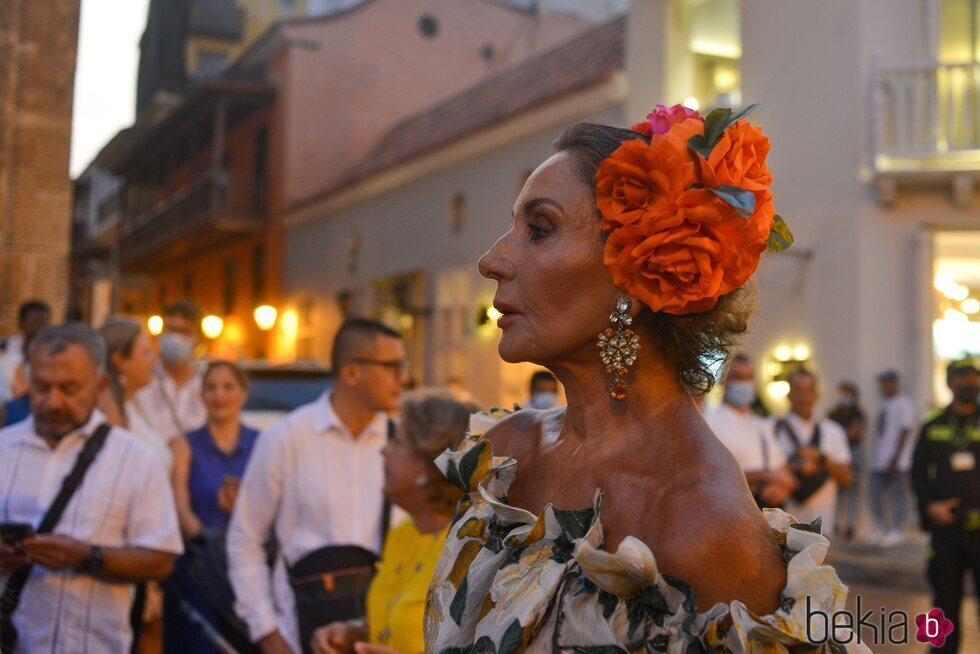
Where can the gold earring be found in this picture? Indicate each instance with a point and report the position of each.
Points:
(617, 348)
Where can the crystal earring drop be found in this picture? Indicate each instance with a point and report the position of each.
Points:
(617, 348)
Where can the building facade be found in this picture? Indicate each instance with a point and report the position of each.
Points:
(37, 66)
(872, 109)
(204, 187)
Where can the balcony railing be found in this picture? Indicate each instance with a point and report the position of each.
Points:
(212, 203)
(928, 113)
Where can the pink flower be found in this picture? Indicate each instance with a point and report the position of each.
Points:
(661, 118)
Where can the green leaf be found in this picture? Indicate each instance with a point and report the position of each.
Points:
(780, 238)
(715, 125)
(458, 605)
(742, 201)
(512, 640)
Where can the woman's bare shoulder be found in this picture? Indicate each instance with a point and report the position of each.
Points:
(519, 435)
(715, 539)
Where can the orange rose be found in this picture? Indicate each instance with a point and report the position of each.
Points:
(639, 180)
(684, 260)
(739, 159)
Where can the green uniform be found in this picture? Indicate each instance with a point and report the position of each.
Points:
(946, 465)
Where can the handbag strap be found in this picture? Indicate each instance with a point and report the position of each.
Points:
(70, 484)
(386, 507)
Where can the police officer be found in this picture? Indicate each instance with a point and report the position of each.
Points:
(946, 478)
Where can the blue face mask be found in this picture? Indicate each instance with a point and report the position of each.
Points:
(543, 400)
(740, 393)
(175, 348)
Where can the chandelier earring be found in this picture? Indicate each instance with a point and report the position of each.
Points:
(618, 346)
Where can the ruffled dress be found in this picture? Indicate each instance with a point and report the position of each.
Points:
(510, 581)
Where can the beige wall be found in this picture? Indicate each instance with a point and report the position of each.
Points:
(351, 79)
(37, 65)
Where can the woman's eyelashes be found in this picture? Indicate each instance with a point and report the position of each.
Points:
(535, 232)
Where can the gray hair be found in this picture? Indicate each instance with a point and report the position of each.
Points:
(57, 338)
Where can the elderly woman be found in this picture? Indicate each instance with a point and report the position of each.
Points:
(431, 422)
(620, 523)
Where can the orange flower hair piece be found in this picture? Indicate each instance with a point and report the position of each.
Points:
(689, 214)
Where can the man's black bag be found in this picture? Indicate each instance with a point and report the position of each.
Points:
(809, 484)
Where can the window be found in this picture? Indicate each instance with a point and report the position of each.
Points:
(258, 274)
(209, 64)
(428, 26)
(959, 31)
(457, 213)
(228, 287)
(707, 59)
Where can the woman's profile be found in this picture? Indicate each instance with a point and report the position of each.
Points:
(620, 523)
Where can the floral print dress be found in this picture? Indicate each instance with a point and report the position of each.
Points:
(510, 581)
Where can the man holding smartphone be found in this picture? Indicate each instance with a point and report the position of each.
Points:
(71, 590)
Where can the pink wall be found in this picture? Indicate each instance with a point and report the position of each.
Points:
(372, 67)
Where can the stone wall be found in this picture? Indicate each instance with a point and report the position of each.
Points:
(37, 68)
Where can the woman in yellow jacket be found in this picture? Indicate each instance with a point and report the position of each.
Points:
(431, 421)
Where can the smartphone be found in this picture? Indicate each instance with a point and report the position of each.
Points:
(12, 533)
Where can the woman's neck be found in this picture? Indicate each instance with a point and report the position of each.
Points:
(653, 393)
(225, 432)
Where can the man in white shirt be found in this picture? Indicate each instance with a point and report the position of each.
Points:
(892, 461)
(32, 317)
(172, 401)
(818, 453)
(314, 480)
(120, 526)
(749, 438)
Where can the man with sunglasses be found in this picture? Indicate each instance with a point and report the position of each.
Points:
(315, 481)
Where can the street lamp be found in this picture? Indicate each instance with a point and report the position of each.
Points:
(265, 317)
(212, 326)
(155, 325)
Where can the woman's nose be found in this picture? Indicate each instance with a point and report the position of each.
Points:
(496, 264)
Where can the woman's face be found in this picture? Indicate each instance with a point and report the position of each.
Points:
(137, 369)
(404, 466)
(552, 288)
(223, 395)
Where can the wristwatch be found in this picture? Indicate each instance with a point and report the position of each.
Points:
(94, 562)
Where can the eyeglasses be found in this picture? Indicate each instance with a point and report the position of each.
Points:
(397, 367)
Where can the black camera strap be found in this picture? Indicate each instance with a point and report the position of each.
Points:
(17, 580)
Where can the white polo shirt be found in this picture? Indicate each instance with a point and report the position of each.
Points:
(172, 410)
(748, 437)
(313, 484)
(124, 500)
(833, 444)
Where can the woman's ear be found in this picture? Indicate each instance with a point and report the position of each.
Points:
(117, 360)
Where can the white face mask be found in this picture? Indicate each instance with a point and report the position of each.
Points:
(544, 400)
(740, 393)
(175, 348)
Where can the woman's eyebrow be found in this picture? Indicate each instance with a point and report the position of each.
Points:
(531, 205)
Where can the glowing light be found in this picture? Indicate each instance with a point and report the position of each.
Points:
(289, 325)
(783, 353)
(405, 321)
(953, 315)
(691, 103)
(959, 293)
(715, 48)
(493, 315)
(777, 389)
(155, 325)
(265, 317)
(970, 305)
(942, 282)
(801, 353)
(212, 326)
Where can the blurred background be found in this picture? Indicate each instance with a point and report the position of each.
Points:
(287, 163)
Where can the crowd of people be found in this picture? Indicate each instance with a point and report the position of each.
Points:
(173, 537)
